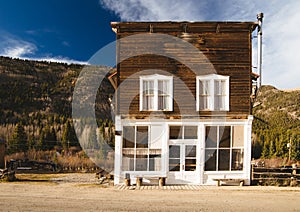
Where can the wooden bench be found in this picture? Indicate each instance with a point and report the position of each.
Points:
(139, 179)
(229, 180)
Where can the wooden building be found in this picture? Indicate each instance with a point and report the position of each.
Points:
(183, 101)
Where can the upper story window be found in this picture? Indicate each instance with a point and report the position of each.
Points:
(156, 93)
(212, 93)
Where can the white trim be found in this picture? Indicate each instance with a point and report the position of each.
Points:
(155, 78)
(211, 78)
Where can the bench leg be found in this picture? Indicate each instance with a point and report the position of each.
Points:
(218, 182)
(127, 182)
(139, 181)
(241, 182)
(162, 181)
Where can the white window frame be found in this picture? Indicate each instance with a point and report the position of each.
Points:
(155, 78)
(211, 79)
(231, 148)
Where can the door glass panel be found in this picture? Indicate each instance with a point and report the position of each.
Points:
(174, 151)
(190, 165)
(174, 158)
(174, 164)
(190, 151)
(190, 158)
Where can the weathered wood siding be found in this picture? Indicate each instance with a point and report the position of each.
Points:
(226, 45)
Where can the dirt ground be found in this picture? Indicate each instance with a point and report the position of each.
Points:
(81, 192)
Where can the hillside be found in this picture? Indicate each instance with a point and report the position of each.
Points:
(39, 95)
(276, 123)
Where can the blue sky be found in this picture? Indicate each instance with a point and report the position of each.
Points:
(73, 30)
(58, 29)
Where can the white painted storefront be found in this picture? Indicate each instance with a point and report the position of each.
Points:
(184, 151)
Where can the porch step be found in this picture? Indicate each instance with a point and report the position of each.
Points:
(155, 187)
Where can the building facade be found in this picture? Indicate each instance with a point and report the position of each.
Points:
(182, 103)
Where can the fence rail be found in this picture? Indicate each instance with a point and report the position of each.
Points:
(287, 176)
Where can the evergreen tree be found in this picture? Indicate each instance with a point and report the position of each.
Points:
(47, 138)
(18, 140)
(265, 150)
(69, 137)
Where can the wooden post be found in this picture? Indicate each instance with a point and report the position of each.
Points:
(252, 174)
(294, 166)
(2, 154)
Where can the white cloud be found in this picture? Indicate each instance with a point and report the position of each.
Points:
(281, 36)
(16, 48)
(11, 46)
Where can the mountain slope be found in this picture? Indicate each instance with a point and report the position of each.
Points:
(39, 94)
(276, 123)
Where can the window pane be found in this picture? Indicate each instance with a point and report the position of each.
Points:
(128, 162)
(128, 136)
(163, 94)
(190, 132)
(220, 87)
(148, 103)
(237, 159)
(175, 132)
(204, 94)
(224, 135)
(210, 159)
(211, 137)
(142, 137)
(156, 141)
(155, 163)
(141, 162)
(163, 87)
(224, 158)
(163, 103)
(220, 94)
(238, 136)
(219, 103)
(148, 95)
(203, 103)
(204, 87)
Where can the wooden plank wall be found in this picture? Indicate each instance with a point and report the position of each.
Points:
(226, 45)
